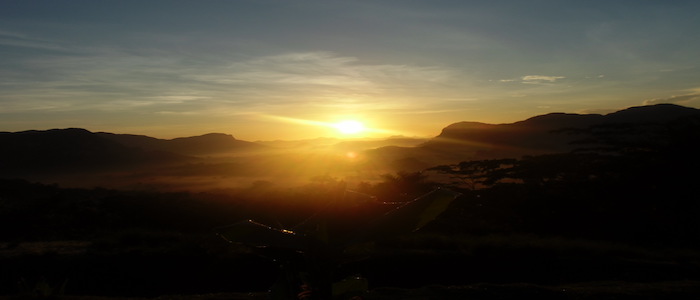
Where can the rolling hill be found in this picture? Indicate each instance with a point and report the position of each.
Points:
(543, 134)
(75, 149)
(72, 150)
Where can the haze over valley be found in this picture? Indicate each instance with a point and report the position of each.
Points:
(81, 158)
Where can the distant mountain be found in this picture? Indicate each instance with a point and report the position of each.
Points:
(75, 149)
(212, 143)
(658, 113)
(359, 145)
(72, 148)
(344, 144)
(537, 135)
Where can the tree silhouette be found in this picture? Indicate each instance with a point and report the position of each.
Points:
(399, 187)
(627, 181)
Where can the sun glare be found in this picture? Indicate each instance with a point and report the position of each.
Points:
(349, 127)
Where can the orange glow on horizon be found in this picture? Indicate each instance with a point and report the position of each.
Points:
(350, 127)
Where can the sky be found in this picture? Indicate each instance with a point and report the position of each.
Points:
(281, 70)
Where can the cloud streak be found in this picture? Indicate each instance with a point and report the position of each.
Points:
(321, 69)
(14, 39)
(540, 78)
(687, 100)
(534, 79)
(112, 79)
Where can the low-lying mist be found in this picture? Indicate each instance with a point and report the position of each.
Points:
(281, 167)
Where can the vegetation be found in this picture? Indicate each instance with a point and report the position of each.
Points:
(633, 186)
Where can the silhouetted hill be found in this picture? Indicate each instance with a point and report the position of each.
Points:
(544, 134)
(212, 143)
(359, 145)
(536, 135)
(75, 149)
(68, 150)
(651, 114)
(344, 144)
(72, 148)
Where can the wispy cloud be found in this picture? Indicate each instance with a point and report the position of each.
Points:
(110, 79)
(319, 69)
(16, 39)
(320, 79)
(687, 100)
(540, 78)
(178, 98)
(533, 79)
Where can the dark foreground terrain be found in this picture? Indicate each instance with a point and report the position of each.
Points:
(106, 244)
(590, 290)
(615, 218)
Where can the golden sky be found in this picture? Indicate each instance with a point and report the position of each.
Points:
(266, 70)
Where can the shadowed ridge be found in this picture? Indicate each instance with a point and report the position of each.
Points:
(211, 143)
(560, 120)
(467, 125)
(543, 134)
(533, 136)
(651, 113)
(70, 148)
(474, 132)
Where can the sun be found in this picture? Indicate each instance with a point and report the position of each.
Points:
(349, 127)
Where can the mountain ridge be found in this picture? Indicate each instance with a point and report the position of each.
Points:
(77, 148)
(210, 143)
(541, 134)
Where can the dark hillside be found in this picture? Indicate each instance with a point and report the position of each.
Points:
(658, 113)
(544, 134)
(620, 211)
(637, 190)
(212, 143)
(72, 149)
(624, 215)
